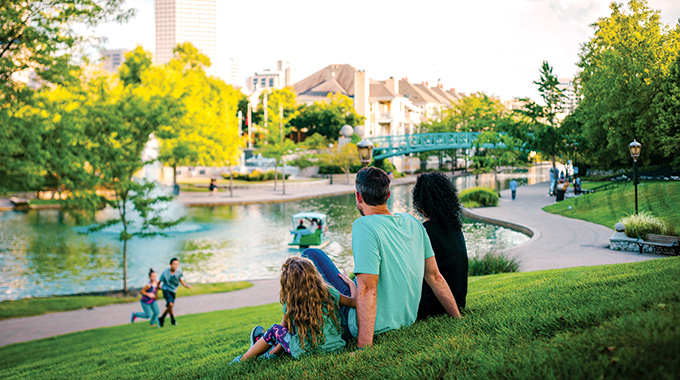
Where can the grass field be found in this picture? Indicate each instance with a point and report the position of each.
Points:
(42, 305)
(662, 199)
(606, 322)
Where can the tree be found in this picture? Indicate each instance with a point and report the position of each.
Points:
(344, 156)
(499, 150)
(326, 118)
(207, 133)
(621, 71)
(277, 151)
(278, 100)
(37, 40)
(542, 120)
(111, 125)
(475, 113)
(666, 106)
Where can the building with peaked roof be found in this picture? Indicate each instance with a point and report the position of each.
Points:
(329, 80)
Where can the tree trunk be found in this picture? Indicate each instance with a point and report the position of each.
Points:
(231, 180)
(125, 288)
(174, 174)
(283, 177)
(347, 174)
(275, 176)
(557, 177)
(495, 178)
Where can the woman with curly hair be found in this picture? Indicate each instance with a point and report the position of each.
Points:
(311, 314)
(435, 198)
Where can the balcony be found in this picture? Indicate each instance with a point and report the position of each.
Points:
(384, 117)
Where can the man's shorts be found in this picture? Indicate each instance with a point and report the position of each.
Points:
(169, 297)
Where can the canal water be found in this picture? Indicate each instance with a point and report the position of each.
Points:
(42, 253)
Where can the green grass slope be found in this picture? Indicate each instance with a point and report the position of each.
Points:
(662, 199)
(611, 322)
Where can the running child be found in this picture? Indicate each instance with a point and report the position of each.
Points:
(148, 301)
(171, 278)
(311, 314)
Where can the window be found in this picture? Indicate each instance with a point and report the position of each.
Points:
(271, 82)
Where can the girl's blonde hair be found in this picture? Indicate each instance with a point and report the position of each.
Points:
(307, 298)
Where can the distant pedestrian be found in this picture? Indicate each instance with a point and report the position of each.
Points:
(148, 301)
(171, 278)
(213, 187)
(513, 188)
(562, 186)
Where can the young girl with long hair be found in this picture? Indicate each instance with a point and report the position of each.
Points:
(148, 301)
(311, 314)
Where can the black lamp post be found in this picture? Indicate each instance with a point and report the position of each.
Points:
(365, 149)
(635, 153)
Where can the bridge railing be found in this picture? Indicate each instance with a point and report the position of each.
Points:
(387, 146)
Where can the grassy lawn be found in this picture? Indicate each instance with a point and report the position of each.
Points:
(662, 199)
(36, 306)
(612, 322)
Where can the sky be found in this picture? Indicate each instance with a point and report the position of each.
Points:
(493, 46)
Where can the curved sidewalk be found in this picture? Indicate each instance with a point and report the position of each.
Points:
(558, 241)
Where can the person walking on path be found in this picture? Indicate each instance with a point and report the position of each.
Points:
(392, 254)
(435, 198)
(513, 188)
(311, 315)
(148, 301)
(171, 278)
(213, 187)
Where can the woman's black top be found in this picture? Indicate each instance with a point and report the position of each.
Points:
(451, 256)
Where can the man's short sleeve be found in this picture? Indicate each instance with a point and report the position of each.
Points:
(365, 248)
(427, 244)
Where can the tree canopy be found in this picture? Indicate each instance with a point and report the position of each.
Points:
(621, 72)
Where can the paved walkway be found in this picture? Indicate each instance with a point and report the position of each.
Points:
(47, 325)
(557, 242)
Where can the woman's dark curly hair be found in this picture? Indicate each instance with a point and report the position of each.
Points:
(435, 198)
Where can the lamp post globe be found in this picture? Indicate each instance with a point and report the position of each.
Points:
(365, 149)
(635, 148)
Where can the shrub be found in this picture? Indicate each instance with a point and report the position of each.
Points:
(256, 176)
(481, 195)
(492, 263)
(639, 225)
(471, 204)
(302, 162)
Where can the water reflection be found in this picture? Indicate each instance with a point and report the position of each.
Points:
(42, 253)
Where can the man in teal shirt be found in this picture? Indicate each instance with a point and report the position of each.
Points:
(392, 255)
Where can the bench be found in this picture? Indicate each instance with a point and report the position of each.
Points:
(666, 241)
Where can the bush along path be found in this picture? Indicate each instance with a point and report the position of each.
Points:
(611, 322)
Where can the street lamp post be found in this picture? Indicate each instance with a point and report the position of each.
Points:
(635, 148)
(365, 149)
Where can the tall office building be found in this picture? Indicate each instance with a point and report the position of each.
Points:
(179, 21)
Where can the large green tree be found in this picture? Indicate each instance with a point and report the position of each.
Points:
(621, 72)
(326, 118)
(666, 106)
(474, 113)
(207, 134)
(38, 43)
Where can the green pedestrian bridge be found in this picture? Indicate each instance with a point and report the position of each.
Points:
(389, 146)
